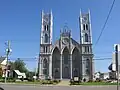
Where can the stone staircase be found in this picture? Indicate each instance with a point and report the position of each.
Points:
(64, 83)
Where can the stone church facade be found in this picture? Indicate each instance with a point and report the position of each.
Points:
(66, 58)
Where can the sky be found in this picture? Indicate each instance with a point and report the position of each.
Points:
(20, 22)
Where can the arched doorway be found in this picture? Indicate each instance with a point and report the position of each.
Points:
(76, 62)
(66, 65)
(56, 63)
(87, 66)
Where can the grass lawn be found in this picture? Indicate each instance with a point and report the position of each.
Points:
(97, 83)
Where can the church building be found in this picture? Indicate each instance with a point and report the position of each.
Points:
(66, 58)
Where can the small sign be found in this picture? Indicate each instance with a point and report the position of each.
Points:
(76, 79)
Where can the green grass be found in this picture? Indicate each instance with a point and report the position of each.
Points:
(96, 83)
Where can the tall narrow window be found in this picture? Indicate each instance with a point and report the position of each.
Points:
(46, 38)
(87, 67)
(87, 63)
(42, 49)
(86, 37)
(45, 27)
(46, 49)
(45, 66)
(83, 26)
(87, 49)
(86, 27)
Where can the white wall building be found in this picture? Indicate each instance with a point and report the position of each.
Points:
(112, 67)
(99, 75)
(106, 76)
(96, 75)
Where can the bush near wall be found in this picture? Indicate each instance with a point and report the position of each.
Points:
(72, 82)
(49, 81)
(10, 79)
(2, 79)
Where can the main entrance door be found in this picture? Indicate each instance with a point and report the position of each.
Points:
(66, 73)
(66, 69)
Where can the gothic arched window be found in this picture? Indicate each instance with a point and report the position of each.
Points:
(46, 38)
(87, 66)
(45, 66)
(45, 63)
(87, 63)
(86, 37)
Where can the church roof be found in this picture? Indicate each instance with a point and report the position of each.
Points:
(57, 43)
(74, 42)
(2, 59)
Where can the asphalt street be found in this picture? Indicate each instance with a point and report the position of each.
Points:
(38, 87)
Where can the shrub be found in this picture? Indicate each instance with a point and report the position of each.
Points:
(98, 80)
(45, 82)
(84, 80)
(2, 80)
(90, 81)
(51, 82)
(11, 79)
(48, 81)
(72, 82)
(55, 81)
(30, 79)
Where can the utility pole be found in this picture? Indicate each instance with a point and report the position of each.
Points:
(36, 59)
(8, 50)
(117, 65)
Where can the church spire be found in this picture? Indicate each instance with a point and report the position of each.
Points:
(46, 28)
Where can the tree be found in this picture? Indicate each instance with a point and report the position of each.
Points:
(18, 65)
(30, 74)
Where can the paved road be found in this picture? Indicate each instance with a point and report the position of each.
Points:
(36, 87)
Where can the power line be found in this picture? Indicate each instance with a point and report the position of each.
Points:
(105, 23)
(33, 59)
(97, 59)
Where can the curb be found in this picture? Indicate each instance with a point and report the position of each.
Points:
(29, 84)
